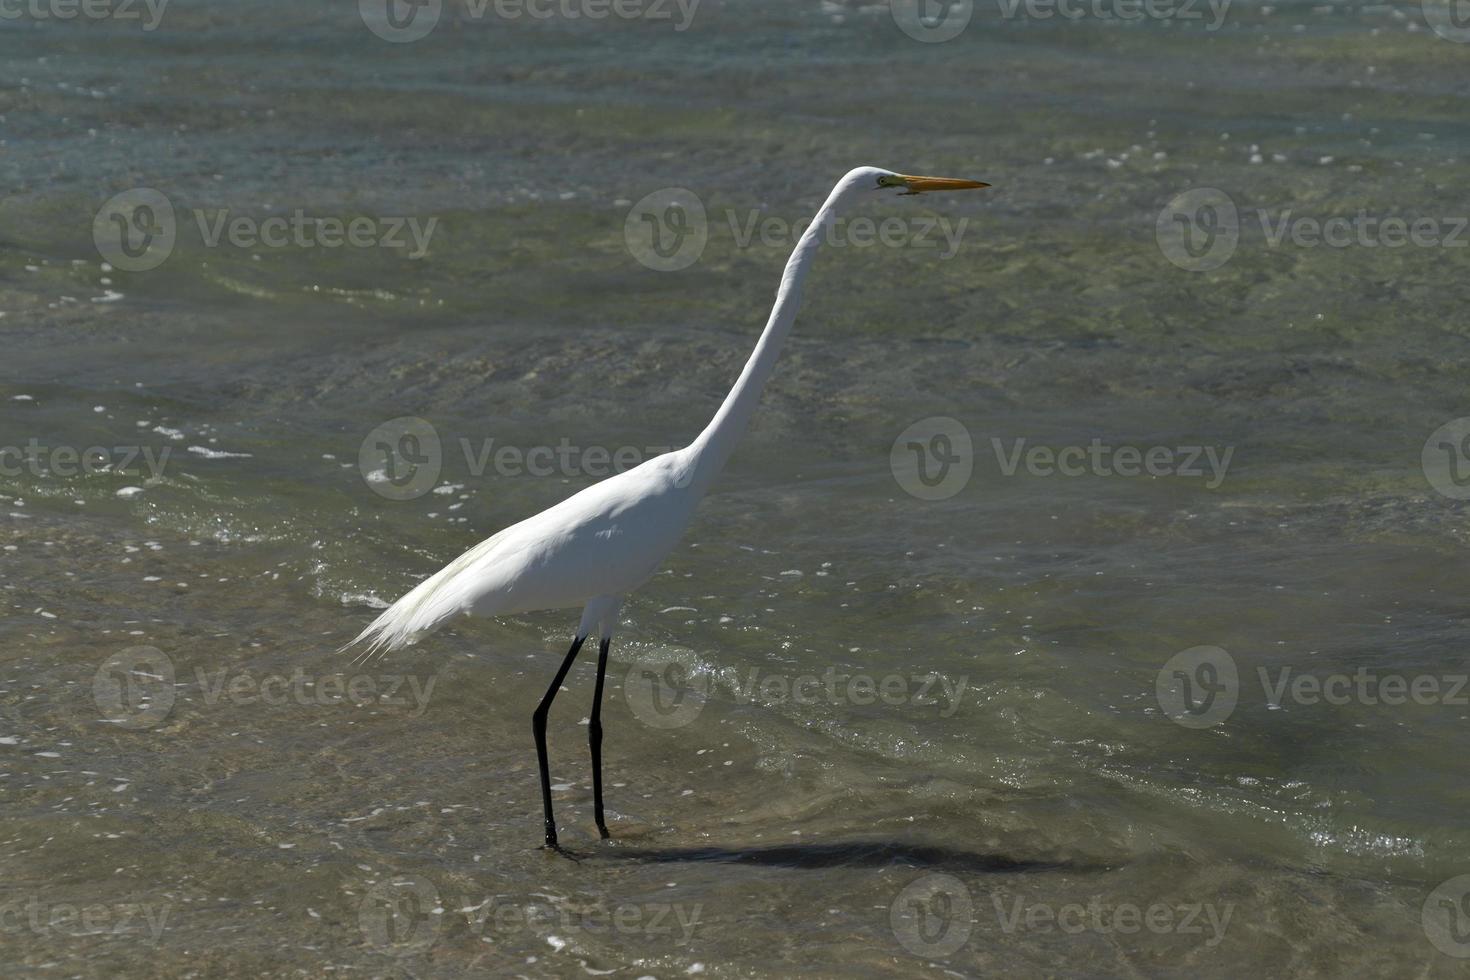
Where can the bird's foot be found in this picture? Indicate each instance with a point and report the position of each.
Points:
(553, 846)
(603, 831)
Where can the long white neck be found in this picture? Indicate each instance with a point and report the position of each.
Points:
(714, 445)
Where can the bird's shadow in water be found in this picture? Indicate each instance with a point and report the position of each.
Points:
(854, 854)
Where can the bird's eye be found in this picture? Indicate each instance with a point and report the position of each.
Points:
(884, 180)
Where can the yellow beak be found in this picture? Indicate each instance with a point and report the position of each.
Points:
(917, 185)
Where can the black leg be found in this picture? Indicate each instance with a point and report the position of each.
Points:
(594, 737)
(538, 725)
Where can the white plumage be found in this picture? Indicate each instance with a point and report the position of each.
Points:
(629, 522)
(602, 542)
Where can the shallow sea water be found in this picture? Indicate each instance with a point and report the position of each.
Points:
(850, 731)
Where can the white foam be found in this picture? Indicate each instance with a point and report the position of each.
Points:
(208, 453)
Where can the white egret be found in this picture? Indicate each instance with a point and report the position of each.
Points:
(600, 543)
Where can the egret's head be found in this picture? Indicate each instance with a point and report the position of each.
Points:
(878, 180)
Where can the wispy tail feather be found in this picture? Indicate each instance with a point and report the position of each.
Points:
(402, 623)
(424, 609)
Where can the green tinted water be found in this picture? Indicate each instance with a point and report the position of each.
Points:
(999, 789)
